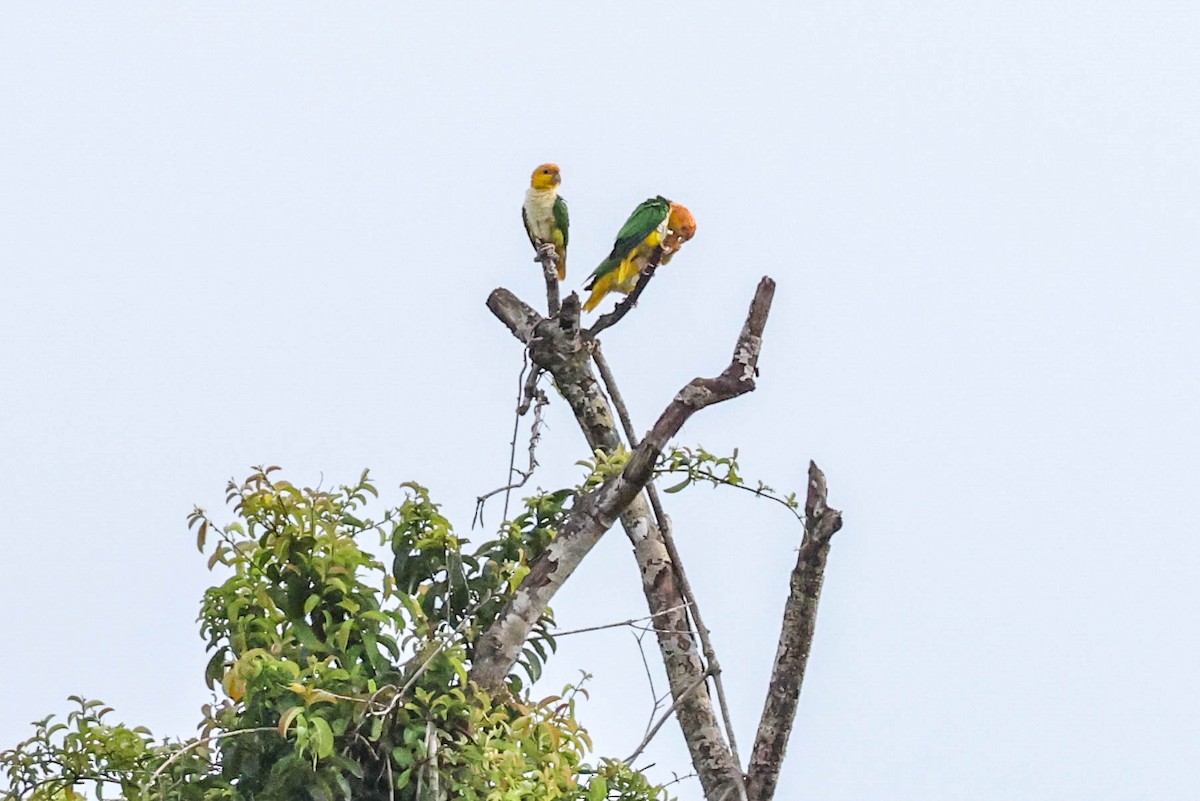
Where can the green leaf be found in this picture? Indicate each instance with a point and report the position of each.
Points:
(371, 648)
(389, 642)
(311, 603)
(537, 646)
(532, 664)
(399, 563)
(343, 785)
(597, 789)
(215, 670)
(680, 486)
(307, 637)
(403, 757)
(285, 720)
(322, 737)
(319, 791)
(413, 733)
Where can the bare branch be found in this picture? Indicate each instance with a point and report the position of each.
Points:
(556, 346)
(529, 394)
(761, 491)
(710, 653)
(529, 391)
(596, 511)
(737, 379)
(630, 622)
(795, 640)
(664, 526)
(637, 752)
(649, 678)
(547, 255)
(199, 741)
(679, 779)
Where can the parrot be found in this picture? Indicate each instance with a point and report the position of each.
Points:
(655, 222)
(545, 214)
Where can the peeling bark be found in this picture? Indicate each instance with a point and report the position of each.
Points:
(593, 514)
(795, 641)
(556, 346)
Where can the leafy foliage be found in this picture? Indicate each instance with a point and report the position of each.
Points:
(698, 466)
(343, 678)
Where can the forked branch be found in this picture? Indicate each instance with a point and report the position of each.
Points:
(685, 587)
(595, 512)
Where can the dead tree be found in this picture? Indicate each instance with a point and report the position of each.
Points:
(559, 345)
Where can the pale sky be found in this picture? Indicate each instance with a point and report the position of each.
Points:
(235, 234)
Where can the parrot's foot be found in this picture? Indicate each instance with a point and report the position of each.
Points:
(545, 252)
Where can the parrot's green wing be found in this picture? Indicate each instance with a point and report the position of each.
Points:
(561, 218)
(645, 218)
(528, 228)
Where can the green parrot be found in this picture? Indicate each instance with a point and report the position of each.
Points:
(656, 221)
(545, 214)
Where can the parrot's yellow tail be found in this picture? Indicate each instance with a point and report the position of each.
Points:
(600, 288)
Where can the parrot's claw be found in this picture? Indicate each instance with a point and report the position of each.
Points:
(546, 251)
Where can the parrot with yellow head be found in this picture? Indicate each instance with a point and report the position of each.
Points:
(545, 214)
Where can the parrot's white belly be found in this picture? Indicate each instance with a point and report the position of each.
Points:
(539, 212)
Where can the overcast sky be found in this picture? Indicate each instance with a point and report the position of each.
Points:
(234, 234)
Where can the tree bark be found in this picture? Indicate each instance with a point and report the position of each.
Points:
(795, 641)
(556, 345)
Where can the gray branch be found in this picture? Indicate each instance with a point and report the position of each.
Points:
(556, 346)
(547, 257)
(795, 640)
(664, 525)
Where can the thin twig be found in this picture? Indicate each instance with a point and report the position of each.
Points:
(512, 448)
(629, 622)
(665, 717)
(664, 527)
(679, 778)
(529, 393)
(649, 679)
(29, 790)
(202, 741)
(402, 692)
(610, 382)
(408, 685)
(710, 653)
(765, 493)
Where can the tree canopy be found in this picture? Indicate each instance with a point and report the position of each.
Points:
(341, 677)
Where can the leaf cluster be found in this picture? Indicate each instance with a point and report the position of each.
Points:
(698, 466)
(341, 677)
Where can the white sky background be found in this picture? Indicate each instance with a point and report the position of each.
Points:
(233, 235)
